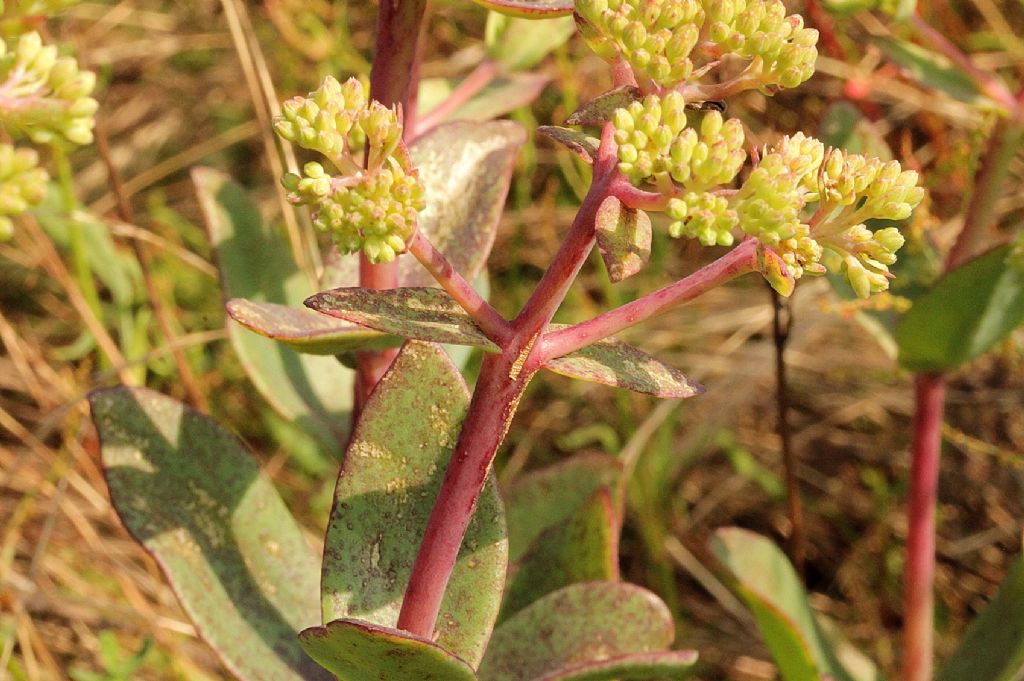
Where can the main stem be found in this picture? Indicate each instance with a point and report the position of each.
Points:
(501, 383)
(919, 571)
(930, 388)
(393, 82)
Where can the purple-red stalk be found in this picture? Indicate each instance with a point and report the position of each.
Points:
(930, 388)
(503, 378)
(393, 82)
(919, 570)
(486, 317)
(740, 260)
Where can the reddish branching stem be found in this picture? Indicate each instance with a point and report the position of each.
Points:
(486, 317)
(738, 261)
(504, 377)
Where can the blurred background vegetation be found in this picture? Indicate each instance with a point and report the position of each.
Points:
(180, 85)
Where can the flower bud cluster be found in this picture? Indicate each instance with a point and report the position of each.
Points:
(333, 120)
(655, 144)
(782, 50)
(658, 37)
(864, 257)
(883, 190)
(655, 36)
(45, 96)
(22, 184)
(703, 216)
(371, 208)
(849, 189)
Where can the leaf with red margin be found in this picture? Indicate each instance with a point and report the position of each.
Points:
(623, 237)
(361, 651)
(612, 362)
(306, 332)
(427, 314)
(580, 624)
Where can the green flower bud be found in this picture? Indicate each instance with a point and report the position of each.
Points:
(48, 96)
(22, 184)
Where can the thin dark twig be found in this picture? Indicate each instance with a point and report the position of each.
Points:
(124, 211)
(782, 322)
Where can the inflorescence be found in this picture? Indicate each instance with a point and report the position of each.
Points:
(663, 39)
(371, 205)
(695, 168)
(44, 97)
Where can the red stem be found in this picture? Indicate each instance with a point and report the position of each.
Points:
(486, 317)
(494, 403)
(738, 261)
(919, 572)
(501, 383)
(393, 81)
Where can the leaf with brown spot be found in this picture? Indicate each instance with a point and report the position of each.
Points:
(599, 110)
(390, 477)
(188, 491)
(583, 548)
(576, 141)
(623, 237)
(574, 626)
(612, 362)
(361, 651)
(530, 9)
(548, 497)
(427, 314)
(305, 331)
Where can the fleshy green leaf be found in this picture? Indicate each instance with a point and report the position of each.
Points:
(583, 548)
(547, 497)
(993, 647)
(519, 44)
(191, 495)
(623, 237)
(967, 312)
(315, 334)
(427, 314)
(530, 9)
(361, 651)
(661, 666)
(934, 71)
(770, 587)
(599, 110)
(466, 169)
(255, 264)
(392, 470)
(577, 625)
(580, 143)
(612, 362)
